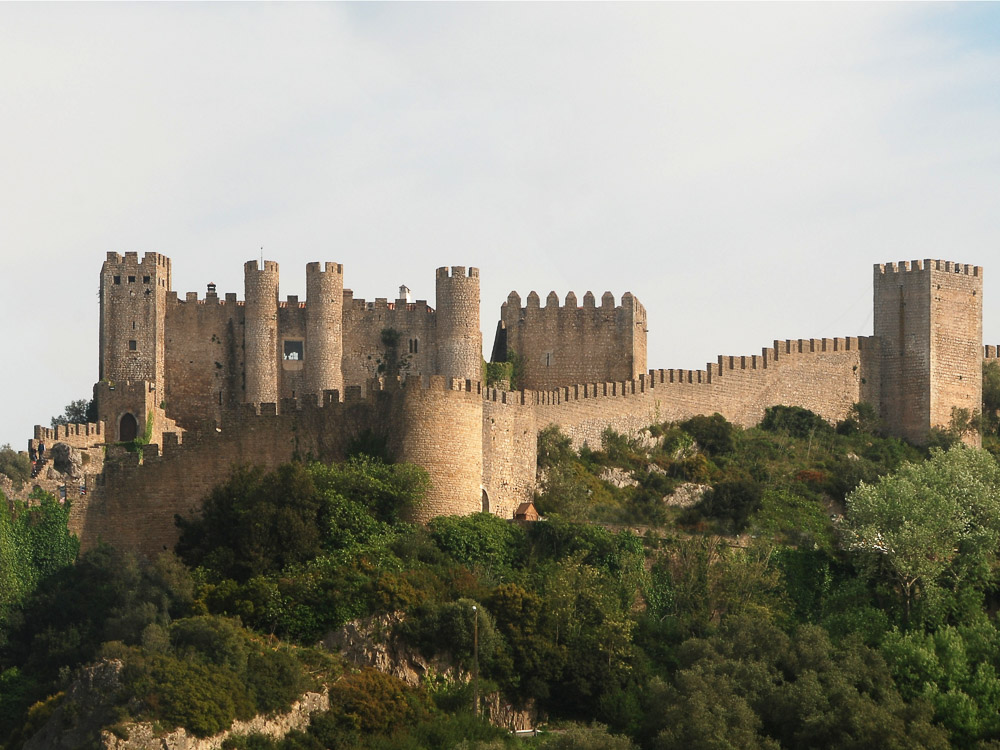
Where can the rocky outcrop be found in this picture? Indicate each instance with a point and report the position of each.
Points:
(141, 736)
(81, 718)
(77, 720)
(67, 462)
(371, 642)
(686, 495)
(618, 477)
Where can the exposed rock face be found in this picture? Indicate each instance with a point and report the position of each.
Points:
(618, 477)
(686, 495)
(66, 460)
(76, 722)
(142, 737)
(370, 642)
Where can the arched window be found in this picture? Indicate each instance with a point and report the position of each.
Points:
(128, 428)
(486, 502)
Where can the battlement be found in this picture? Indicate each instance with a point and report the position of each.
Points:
(457, 272)
(337, 268)
(91, 432)
(918, 266)
(991, 352)
(533, 302)
(251, 266)
(132, 259)
(382, 303)
(787, 349)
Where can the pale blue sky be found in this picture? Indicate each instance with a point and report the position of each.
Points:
(738, 167)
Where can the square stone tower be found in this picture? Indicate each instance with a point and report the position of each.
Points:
(929, 322)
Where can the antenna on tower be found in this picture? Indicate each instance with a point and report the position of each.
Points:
(262, 256)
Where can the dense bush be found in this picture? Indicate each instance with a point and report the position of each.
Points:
(794, 421)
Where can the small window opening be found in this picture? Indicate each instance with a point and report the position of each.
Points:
(548, 359)
(294, 350)
(133, 325)
(118, 279)
(131, 279)
(145, 279)
(132, 345)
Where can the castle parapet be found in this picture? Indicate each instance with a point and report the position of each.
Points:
(916, 266)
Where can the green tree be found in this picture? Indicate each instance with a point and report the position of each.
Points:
(930, 528)
(714, 434)
(482, 539)
(257, 522)
(35, 543)
(15, 466)
(80, 411)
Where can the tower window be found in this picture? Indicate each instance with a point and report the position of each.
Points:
(414, 346)
(145, 279)
(132, 346)
(294, 350)
(118, 279)
(131, 279)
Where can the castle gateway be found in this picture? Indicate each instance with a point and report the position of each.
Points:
(210, 382)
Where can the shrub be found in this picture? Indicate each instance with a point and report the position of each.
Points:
(794, 421)
(714, 434)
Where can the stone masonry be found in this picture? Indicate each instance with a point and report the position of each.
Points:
(214, 382)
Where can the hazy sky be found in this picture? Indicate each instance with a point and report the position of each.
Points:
(739, 168)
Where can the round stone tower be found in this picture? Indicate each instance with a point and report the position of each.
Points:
(459, 338)
(441, 430)
(260, 333)
(324, 327)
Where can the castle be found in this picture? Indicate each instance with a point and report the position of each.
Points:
(209, 382)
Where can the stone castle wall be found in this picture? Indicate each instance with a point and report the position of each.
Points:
(427, 421)
(415, 322)
(561, 344)
(826, 376)
(227, 377)
(509, 446)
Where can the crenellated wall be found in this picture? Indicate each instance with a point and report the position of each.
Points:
(415, 322)
(227, 382)
(425, 420)
(826, 376)
(562, 344)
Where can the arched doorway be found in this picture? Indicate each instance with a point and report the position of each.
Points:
(128, 428)
(486, 502)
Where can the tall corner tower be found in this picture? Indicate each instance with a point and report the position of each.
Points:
(324, 327)
(132, 340)
(459, 338)
(929, 322)
(260, 334)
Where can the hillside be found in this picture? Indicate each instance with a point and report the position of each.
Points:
(795, 584)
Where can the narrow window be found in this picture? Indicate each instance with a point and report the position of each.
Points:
(118, 279)
(132, 345)
(548, 359)
(133, 325)
(416, 345)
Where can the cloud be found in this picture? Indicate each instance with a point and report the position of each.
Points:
(739, 167)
